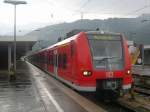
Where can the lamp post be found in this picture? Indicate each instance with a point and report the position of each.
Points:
(13, 2)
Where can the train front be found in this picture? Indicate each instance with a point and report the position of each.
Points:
(111, 62)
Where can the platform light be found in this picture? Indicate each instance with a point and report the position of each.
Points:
(15, 2)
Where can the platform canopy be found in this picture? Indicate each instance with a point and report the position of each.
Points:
(19, 39)
(24, 45)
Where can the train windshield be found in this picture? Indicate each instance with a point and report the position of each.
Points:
(107, 51)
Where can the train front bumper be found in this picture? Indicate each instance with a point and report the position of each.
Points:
(126, 87)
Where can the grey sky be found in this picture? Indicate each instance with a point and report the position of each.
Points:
(39, 13)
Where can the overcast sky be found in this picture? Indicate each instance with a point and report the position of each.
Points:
(38, 13)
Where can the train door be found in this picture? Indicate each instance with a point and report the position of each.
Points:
(55, 63)
(73, 61)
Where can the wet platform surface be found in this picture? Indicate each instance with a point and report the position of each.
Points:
(34, 92)
(19, 95)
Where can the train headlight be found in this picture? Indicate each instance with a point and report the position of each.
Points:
(128, 72)
(87, 73)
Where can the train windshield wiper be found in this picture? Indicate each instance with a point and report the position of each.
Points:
(103, 58)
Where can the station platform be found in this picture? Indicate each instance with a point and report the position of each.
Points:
(36, 91)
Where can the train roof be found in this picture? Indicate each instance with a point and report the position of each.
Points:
(56, 44)
(102, 33)
(64, 41)
(75, 36)
(87, 32)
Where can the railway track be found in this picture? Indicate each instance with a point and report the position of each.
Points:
(142, 84)
(109, 106)
(141, 103)
(141, 90)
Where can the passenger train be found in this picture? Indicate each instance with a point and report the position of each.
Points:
(88, 61)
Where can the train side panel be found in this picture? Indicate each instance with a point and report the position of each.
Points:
(84, 62)
(67, 62)
(127, 79)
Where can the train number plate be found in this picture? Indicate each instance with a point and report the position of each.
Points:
(109, 74)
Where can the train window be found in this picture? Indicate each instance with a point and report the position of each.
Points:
(60, 60)
(64, 61)
(72, 48)
(107, 52)
(44, 60)
(51, 60)
(41, 58)
(48, 59)
(38, 57)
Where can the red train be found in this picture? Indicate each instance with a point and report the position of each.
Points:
(88, 61)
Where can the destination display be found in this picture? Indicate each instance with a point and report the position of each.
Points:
(104, 37)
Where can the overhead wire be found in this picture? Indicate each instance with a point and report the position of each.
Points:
(80, 9)
(138, 10)
(85, 3)
(125, 14)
